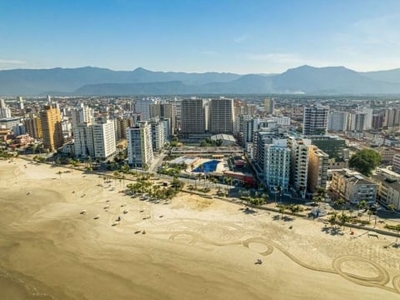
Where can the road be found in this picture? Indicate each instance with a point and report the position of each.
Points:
(156, 163)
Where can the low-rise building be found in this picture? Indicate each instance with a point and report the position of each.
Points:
(388, 188)
(353, 186)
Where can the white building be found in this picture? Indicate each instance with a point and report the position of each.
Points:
(357, 121)
(157, 134)
(95, 140)
(282, 121)
(82, 114)
(140, 150)
(5, 111)
(277, 165)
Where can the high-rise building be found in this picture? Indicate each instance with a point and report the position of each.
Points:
(221, 116)
(378, 120)
(157, 134)
(392, 117)
(368, 116)
(315, 120)
(193, 117)
(121, 124)
(269, 106)
(50, 118)
(33, 126)
(299, 164)
(142, 106)
(96, 140)
(277, 165)
(82, 114)
(357, 121)
(140, 150)
(165, 111)
(261, 140)
(20, 102)
(5, 111)
(317, 169)
(104, 143)
(334, 146)
(337, 120)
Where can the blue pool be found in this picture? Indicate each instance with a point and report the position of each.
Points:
(209, 166)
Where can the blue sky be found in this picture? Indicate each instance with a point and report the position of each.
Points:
(249, 36)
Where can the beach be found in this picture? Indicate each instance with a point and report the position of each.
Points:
(57, 241)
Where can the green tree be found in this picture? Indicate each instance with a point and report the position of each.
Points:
(365, 161)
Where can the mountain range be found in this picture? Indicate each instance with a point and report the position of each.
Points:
(91, 81)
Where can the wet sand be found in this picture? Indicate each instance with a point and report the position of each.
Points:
(193, 248)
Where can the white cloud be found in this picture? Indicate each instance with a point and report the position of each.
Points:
(12, 62)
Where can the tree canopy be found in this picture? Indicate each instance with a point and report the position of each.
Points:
(365, 161)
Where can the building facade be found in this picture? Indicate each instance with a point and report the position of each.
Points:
(315, 120)
(140, 150)
(50, 118)
(277, 166)
(353, 187)
(193, 116)
(318, 164)
(221, 116)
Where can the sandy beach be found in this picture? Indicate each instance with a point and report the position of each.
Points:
(193, 248)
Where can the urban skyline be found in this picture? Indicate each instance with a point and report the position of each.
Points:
(200, 36)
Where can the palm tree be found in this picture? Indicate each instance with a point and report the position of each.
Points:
(333, 218)
(281, 210)
(343, 218)
(340, 203)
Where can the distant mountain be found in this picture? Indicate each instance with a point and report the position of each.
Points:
(388, 76)
(98, 81)
(330, 80)
(40, 81)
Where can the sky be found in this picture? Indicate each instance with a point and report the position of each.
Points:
(238, 36)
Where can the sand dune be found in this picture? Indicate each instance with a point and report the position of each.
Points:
(198, 249)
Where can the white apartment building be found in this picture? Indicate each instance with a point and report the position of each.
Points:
(357, 121)
(277, 165)
(5, 111)
(282, 121)
(157, 134)
(95, 140)
(140, 150)
(82, 114)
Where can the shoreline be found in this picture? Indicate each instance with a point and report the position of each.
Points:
(198, 248)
